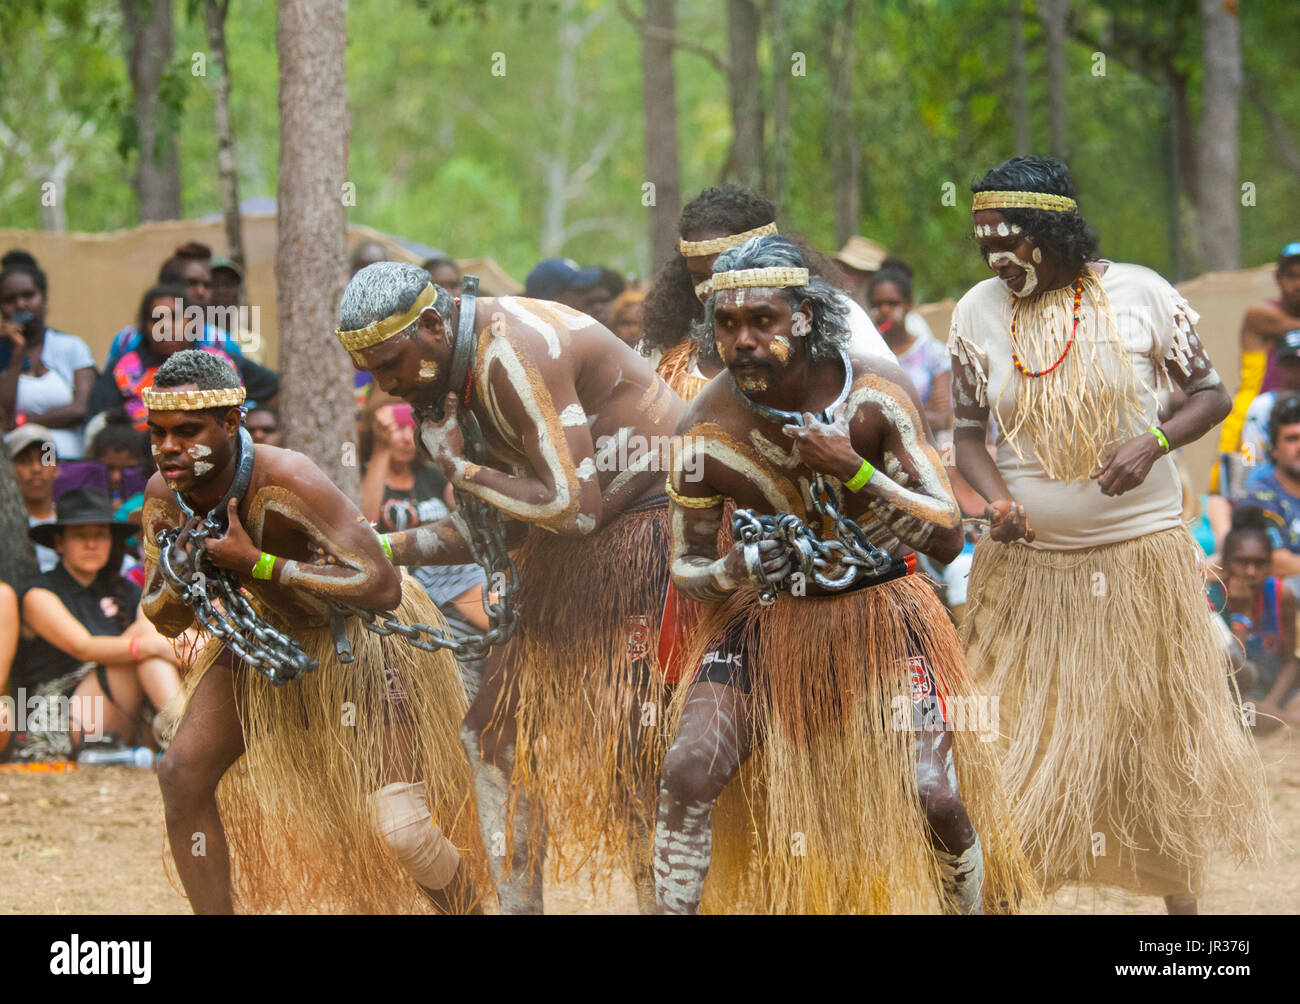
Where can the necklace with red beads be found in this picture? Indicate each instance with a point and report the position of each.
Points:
(1074, 330)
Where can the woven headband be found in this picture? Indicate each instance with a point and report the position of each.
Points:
(192, 400)
(386, 327)
(1024, 200)
(759, 277)
(698, 249)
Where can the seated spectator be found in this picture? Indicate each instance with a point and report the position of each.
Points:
(84, 635)
(188, 268)
(608, 288)
(858, 260)
(117, 461)
(46, 375)
(368, 253)
(8, 646)
(1251, 462)
(263, 425)
(445, 273)
(31, 448)
(226, 308)
(561, 280)
(161, 317)
(1260, 610)
(625, 317)
(924, 359)
(1278, 493)
(916, 325)
(400, 491)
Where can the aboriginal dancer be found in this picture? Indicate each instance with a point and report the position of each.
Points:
(1124, 745)
(317, 764)
(828, 714)
(541, 416)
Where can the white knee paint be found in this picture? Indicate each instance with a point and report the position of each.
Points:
(963, 879)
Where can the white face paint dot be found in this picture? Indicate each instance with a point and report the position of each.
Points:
(1015, 229)
(1004, 230)
(1037, 256)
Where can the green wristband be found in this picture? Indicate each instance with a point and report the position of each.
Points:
(265, 566)
(859, 480)
(1159, 433)
(386, 545)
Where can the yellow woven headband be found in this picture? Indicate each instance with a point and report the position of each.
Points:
(386, 327)
(698, 249)
(1024, 200)
(192, 400)
(768, 277)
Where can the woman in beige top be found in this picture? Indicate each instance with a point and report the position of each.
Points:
(1123, 741)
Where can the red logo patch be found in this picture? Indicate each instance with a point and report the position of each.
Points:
(922, 681)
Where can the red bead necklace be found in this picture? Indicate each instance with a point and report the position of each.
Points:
(1074, 330)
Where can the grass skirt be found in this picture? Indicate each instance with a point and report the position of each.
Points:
(585, 684)
(825, 817)
(295, 806)
(1126, 755)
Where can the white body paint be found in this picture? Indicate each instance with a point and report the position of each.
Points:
(201, 467)
(573, 416)
(1011, 258)
(547, 331)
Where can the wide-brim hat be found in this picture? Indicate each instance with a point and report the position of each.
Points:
(80, 507)
(861, 253)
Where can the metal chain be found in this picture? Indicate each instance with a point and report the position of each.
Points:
(487, 544)
(280, 658)
(831, 564)
(199, 583)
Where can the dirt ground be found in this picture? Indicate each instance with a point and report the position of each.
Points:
(92, 842)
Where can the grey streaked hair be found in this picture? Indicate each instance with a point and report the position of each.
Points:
(386, 288)
(830, 330)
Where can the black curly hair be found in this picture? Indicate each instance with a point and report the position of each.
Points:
(1247, 521)
(173, 269)
(206, 370)
(1286, 411)
(19, 262)
(1066, 234)
(671, 310)
(897, 276)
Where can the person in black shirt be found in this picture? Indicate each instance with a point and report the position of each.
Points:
(85, 638)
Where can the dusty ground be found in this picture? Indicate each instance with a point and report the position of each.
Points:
(92, 842)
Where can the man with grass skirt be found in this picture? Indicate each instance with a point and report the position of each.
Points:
(542, 414)
(338, 783)
(828, 715)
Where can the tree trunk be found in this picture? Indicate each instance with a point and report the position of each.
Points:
(147, 25)
(214, 19)
(746, 160)
(659, 99)
(781, 68)
(1217, 192)
(1056, 14)
(311, 37)
(17, 560)
(1019, 80)
(846, 155)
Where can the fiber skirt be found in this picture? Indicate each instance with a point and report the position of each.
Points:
(1126, 754)
(826, 817)
(295, 807)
